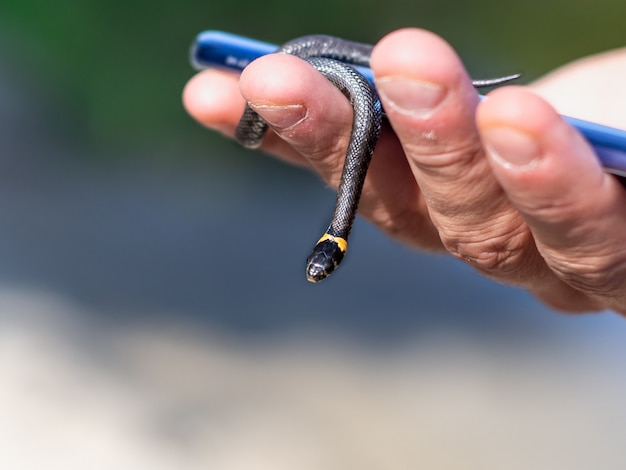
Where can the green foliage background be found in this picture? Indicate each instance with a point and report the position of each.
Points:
(115, 69)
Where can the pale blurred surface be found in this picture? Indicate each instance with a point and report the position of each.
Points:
(599, 97)
(77, 395)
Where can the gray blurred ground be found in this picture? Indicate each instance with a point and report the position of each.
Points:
(78, 395)
(155, 316)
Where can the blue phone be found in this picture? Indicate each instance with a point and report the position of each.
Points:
(233, 52)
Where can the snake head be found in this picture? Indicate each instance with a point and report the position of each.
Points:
(325, 258)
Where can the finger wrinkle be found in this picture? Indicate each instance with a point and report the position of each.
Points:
(601, 275)
(444, 164)
(504, 250)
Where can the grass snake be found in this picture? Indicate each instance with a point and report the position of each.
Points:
(334, 58)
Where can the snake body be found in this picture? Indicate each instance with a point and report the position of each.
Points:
(334, 58)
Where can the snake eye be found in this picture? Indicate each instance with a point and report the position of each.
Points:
(323, 260)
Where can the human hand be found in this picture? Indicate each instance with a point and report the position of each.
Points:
(504, 185)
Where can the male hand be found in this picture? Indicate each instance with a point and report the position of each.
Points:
(504, 185)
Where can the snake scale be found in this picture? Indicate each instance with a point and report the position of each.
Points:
(334, 58)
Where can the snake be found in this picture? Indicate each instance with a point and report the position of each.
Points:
(336, 58)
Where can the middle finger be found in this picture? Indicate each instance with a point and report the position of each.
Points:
(431, 104)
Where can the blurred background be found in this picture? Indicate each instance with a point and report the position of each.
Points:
(150, 320)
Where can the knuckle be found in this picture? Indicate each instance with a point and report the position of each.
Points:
(503, 253)
(437, 159)
(599, 275)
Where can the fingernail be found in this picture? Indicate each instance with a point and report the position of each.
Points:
(510, 147)
(411, 97)
(281, 117)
